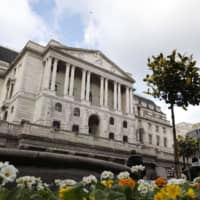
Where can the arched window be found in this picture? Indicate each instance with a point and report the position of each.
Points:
(125, 139)
(56, 124)
(75, 128)
(58, 107)
(111, 136)
(77, 112)
(112, 121)
(125, 124)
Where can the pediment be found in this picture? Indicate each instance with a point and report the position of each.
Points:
(98, 59)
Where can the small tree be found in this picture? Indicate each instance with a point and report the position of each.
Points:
(187, 147)
(174, 79)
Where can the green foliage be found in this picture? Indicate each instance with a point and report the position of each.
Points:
(76, 193)
(174, 79)
(26, 194)
(187, 146)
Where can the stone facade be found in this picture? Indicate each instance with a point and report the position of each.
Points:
(152, 126)
(81, 91)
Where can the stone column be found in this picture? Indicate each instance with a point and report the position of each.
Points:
(46, 75)
(71, 89)
(88, 86)
(127, 100)
(115, 96)
(83, 84)
(101, 91)
(66, 86)
(131, 100)
(119, 97)
(106, 93)
(53, 79)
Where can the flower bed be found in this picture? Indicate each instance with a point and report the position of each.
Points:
(109, 187)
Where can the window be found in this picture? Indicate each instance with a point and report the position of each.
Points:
(149, 125)
(58, 107)
(112, 121)
(77, 112)
(111, 136)
(164, 130)
(150, 139)
(12, 109)
(138, 110)
(125, 124)
(75, 128)
(90, 97)
(11, 90)
(157, 140)
(157, 128)
(56, 87)
(141, 135)
(165, 142)
(56, 124)
(125, 139)
(5, 115)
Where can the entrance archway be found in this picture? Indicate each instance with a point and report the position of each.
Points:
(93, 124)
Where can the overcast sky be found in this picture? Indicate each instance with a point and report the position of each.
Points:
(127, 31)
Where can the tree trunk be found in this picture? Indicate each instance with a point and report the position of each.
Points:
(184, 165)
(176, 158)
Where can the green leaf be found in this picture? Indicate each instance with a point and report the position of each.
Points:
(4, 193)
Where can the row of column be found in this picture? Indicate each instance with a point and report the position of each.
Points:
(116, 96)
(85, 85)
(49, 81)
(49, 77)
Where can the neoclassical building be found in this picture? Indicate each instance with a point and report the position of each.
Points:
(81, 96)
(69, 88)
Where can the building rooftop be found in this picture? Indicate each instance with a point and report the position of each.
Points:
(144, 99)
(7, 55)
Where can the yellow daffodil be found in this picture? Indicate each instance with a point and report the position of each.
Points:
(191, 193)
(159, 196)
(107, 183)
(62, 191)
(172, 191)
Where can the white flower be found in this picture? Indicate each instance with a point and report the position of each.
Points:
(65, 182)
(105, 175)
(137, 168)
(183, 176)
(196, 180)
(91, 179)
(8, 173)
(144, 186)
(31, 183)
(123, 175)
(174, 181)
